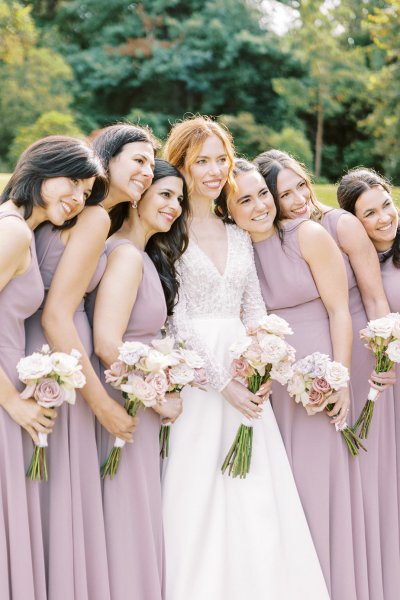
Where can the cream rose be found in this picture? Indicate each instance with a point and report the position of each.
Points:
(381, 327)
(275, 325)
(393, 351)
(337, 375)
(33, 367)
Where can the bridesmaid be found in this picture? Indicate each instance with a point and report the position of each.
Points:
(291, 187)
(71, 264)
(132, 499)
(49, 182)
(309, 290)
(367, 195)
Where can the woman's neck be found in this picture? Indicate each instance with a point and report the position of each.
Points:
(134, 230)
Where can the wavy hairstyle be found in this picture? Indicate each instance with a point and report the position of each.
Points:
(356, 182)
(186, 139)
(54, 156)
(165, 249)
(108, 143)
(271, 162)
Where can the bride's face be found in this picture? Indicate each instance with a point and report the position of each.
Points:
(209, 172)
(252, 207)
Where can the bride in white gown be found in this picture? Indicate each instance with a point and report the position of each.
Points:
(226, 539)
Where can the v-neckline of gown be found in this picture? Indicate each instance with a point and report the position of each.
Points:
(228, 248)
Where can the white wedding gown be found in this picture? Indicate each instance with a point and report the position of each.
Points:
(229, 539)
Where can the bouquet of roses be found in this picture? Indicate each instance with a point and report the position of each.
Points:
(263, 354)
(51, 379)
(185, 367)
(315, 379)
(382, 336)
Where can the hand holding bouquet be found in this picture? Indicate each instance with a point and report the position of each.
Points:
(51, 379)
(315, 379)
(262, 355)
(382, 336)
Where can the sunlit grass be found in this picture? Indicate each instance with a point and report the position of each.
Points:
(4, 177)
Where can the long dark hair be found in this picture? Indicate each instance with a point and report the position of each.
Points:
(165, 249)
(108, 144)
(352, 185)
(53, 156)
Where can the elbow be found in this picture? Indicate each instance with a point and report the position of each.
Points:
(103, 350)
(51, 322)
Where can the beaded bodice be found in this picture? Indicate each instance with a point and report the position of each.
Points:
(206, 293)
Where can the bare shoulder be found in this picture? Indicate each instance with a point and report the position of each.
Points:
(15, 232)
(126, 252)
(350, 230)
(92, 222)
(314, 239)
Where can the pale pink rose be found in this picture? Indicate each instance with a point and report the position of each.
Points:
(321, 385)
(200, 377)
(159, 383)
(241, 368)
(49, 393)
(273, 348)
(28, 391)
(393, 351)
(275, 325)
(337, 375)
(181, 375)
(141, 390)
(116, 373)
(34, 367)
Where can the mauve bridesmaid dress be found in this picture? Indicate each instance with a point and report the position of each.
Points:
(22, 573)
(72, 515)
(132, 499)
(378, 465)
(317, 453)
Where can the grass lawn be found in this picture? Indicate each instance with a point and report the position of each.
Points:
(4, 177)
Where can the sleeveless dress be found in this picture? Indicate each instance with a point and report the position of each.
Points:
(72, 516)
(229, 538)
(22, 574)
(378, 465)
(318, 456)
(391, 285)
(132, 499)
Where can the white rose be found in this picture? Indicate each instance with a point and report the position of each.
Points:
(237, 349)
(273, 348)
(395, 317)
(191, 358)
(282, 372)
(381, 327)
(64, 364)
(337, 375)
(276, 325)
(164, 345)
(75, 380)
(393, 351)
(35, 366)
(181, 374)
(131, 352)
(156, 361)
(69, 394)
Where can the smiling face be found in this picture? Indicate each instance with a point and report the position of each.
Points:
(378, 214)
(209, 172)
(131, 172)
(64, 197)
(161, 205)
(294, 195)
(253, 207)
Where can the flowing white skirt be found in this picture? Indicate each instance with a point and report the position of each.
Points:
(232, 539)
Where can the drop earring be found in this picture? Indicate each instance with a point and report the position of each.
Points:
(134, 204)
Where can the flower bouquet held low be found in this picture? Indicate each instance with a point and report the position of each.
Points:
(382, 336)
(51, 379)
(316, 377)
(262, 355)
(186, 368)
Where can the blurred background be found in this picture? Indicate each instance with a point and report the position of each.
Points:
(320, 79)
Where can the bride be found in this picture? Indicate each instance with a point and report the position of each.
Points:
(226, 539)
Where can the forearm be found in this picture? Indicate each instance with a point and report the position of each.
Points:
(106, 348)
(7, 390)
(341, 335)
(376, 307)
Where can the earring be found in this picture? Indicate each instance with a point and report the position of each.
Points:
(134, 204)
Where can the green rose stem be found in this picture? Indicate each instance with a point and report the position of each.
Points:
(110, 467)
(164, 440)
(383, 365)
(353, 442)
(38, 467)
(238, 458)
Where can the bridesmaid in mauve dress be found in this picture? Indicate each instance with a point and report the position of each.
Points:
(366, 301)
(367, 195)
(132, 498)
(71, 263)
(43, 187)
(309, 290)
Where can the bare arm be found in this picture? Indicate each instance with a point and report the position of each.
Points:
(355, 242)
(78, 263)
(327, 267)
(15, 239)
